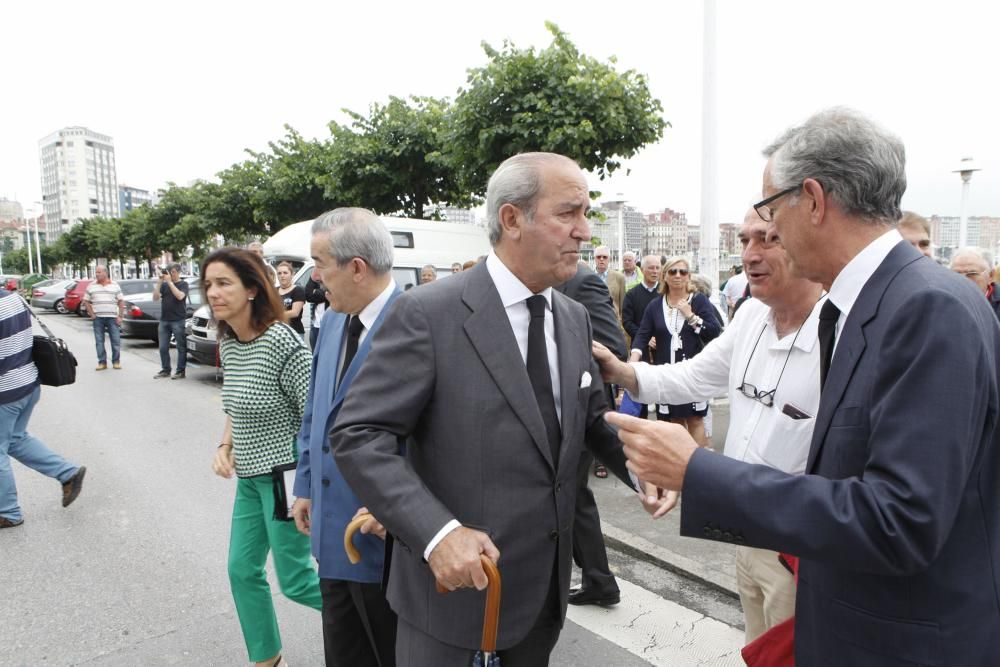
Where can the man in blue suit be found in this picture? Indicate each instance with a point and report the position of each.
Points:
(353, 254)
(897, 519)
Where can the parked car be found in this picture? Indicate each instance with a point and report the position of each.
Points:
(29, 281)
(74, 297)
(51, 295)
(142, 314)
(74, 303)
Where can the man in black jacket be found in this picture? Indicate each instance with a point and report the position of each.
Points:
(598, 585)
(636, 300)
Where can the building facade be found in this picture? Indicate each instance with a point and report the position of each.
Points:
(79, 178)
(130, 198)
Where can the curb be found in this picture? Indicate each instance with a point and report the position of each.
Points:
(654, 554)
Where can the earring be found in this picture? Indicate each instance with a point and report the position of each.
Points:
(250, 298)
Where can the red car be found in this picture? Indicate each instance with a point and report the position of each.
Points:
(73, 301)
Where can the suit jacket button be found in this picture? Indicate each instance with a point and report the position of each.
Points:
(558, 487)
(326, 482)
(716, 534)
(326, 448)
(553, 535)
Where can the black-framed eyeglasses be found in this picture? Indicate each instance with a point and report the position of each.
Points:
(766, 212)
(678, 272)
(765, 398)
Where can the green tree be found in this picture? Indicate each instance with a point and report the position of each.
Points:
(15, 261)
(392, 160)
(555, 99)
(288, 184)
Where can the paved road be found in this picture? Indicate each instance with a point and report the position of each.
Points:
(134, 572)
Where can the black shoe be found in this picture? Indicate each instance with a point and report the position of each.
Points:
(580, 596)
(161, 375)
(71, 488)
(10, 523)
(179, 375)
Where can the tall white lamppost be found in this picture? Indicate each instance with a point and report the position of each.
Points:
(708, 264)
(27, 236)
(965, 169)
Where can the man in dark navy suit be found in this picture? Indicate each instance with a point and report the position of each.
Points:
(897, 519)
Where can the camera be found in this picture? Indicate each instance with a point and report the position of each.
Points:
(164, 271)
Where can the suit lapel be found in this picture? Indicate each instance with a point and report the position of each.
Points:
(852, 342)
(489, 332)
(568, 340)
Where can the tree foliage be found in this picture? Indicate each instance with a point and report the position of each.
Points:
(392, 161)
(556, 100)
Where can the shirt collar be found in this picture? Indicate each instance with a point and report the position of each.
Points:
(370, 313)
(852, 278)
(808, 332)
(648, 288)
(510, 287)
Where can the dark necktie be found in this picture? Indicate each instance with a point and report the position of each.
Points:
(828, 317)
(538, 373)
(353, 327)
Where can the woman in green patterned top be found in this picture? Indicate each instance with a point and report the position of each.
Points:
(266, 380)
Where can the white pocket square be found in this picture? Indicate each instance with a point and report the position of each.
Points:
(585, 380)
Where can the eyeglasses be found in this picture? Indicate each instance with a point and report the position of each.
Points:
(973, 274)
(765, 398)
(924, 243)
(766, 212)
(678, 272)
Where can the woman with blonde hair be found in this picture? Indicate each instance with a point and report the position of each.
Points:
(267, 369)
(676, 326)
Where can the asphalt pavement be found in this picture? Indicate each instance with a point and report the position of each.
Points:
(134, 573)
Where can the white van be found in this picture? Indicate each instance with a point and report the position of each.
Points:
(417, 243)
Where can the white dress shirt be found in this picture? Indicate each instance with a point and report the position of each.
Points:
(852, 278)
(368, 315)
(514, 295)
(757, 434)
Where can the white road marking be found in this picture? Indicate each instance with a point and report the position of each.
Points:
(661, 631)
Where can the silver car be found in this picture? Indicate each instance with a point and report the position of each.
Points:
(51, 295)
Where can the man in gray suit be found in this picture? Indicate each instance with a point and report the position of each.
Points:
(489, 374)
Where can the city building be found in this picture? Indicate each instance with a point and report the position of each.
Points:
(130, 198)
(609, 219)
(78, 177)
(667, 233)
(10, 210)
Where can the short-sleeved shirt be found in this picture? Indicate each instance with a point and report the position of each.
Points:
(173, 308)
(264, 394)
(104, 298)
(289, 299)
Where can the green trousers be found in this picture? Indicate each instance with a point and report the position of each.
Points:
(255, 532)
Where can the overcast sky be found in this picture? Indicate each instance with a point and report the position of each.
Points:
(183, 87)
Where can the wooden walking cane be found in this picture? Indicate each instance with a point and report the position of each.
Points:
(491, 614)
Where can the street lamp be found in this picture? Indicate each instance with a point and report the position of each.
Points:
(965, 169)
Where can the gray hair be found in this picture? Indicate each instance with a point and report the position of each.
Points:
(174, 266)
(357, 232)
(860, 166)
(516, 181)
(628, 253)
(977, 253)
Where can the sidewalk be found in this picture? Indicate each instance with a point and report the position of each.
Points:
(628, 528)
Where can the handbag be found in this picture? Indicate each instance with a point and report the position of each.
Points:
(283, 479)
(56, 364)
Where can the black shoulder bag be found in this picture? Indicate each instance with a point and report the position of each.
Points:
(56, 364)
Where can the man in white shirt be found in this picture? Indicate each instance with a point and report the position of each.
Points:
(768, 360)
(737, 284)
(896, 521)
